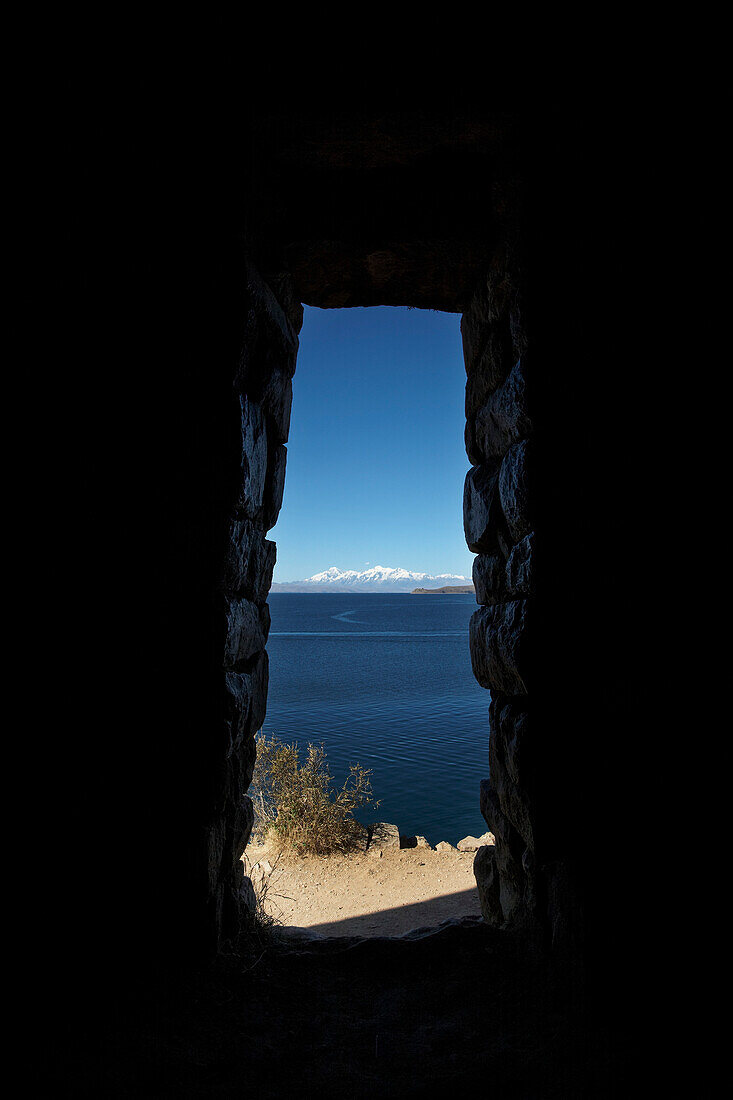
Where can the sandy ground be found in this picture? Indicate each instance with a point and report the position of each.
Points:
(363, 893)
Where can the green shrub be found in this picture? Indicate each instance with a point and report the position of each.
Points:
(298, 803)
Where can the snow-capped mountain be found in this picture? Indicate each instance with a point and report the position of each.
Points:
(379, 578)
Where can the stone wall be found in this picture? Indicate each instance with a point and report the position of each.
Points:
(161, 412)
(165, 509)
(262, 391)
(175, 696)
(529, 516)
(555, 504)
(499, 525)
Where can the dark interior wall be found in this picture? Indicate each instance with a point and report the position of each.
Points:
(524, 221)
(372, 205)
(563, 641)
(173, 328)
(168, 445)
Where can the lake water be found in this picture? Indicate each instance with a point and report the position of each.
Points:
(386, 681)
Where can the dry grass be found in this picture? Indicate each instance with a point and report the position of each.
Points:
(259, 933)
(262, 884)
(298, 805)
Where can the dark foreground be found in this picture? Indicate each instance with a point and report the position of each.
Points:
(457, 1008)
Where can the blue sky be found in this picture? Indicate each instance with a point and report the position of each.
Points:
(376, 459)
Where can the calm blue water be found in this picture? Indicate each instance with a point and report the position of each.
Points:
(386, 681)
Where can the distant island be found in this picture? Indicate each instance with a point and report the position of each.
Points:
(450, 589)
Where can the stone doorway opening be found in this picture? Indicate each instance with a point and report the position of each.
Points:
(378, 675)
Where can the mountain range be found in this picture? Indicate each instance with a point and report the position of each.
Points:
(380, 578)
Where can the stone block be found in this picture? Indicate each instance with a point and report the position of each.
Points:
(497, 289)
(473, 843)
(215, 846)
(240, 819)
(250, 560)
(283, 287)
(491, 812)
(486, 874)
(504, 418)
(508, 741)
(244, 634)
(481, 508)
(514, 491)
(469, 438)
(497, 639)
(270, 340)
(489, 578)
(243, 765)
(258, 675)
(488, 367)
(518, 574)
(246, 700)
(414, 842)
(237, 707)
(277, 401)
(274, 487)
(253, 458)
(240, 903)
(517, 329)
(515, 886)
(490, 307)
(384, 835)
(265, 620)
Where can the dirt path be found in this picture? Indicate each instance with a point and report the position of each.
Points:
(363, 893)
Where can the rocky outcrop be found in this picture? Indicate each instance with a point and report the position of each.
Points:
(414, 842)
(473, 843)
(382, 834)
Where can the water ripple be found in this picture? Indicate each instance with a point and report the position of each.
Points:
(399, 698)
(367, 633)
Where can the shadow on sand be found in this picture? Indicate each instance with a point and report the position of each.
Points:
(404, 918)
